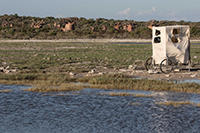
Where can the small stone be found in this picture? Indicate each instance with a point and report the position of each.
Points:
(116, 68)
(193, 76)
(167, 76)
(2, 68)
(195, 57)
(72, 74)
(138, 61)
(89, 74)
(139, 71)
(13, 70)
(152, 72)
(7, 67)
(6, 71)
(5, 63)
(125, 70)
(176, 70)
(132, 67)
(101, 73)
(93, 71)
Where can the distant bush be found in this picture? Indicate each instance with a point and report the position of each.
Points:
(52, 33)
(18, 27)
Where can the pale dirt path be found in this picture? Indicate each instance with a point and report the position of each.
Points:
(84, 40)
(180, 75)
(92, 40)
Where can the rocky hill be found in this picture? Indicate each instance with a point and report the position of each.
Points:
(26, 27)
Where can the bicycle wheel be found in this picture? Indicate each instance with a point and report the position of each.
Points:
(166, 66)
(149, 64)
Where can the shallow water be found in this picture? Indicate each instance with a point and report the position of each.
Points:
(90, 111)
(179, 81)
(188, 81)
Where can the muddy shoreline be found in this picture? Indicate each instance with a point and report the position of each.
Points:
(181, 75)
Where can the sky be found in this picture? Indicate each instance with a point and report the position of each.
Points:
(138, 10)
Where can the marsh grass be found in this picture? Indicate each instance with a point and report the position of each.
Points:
(61, 88)
(125, 94)
(53, 94)
(134, 103)
(109, 81)
(114, 81)
(178, 103)
(198, 104)
(5, 91)
(36, 79)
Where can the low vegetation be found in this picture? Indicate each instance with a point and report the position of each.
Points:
(61, 88)
(70, 57)
(178, 103)
(112, 81)
(125, 94)
(49, 64)
(134, 103)
(53, 58)
(5, 91)
(106, 82)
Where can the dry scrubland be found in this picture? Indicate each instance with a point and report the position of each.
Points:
(99, 64)
(27, 27)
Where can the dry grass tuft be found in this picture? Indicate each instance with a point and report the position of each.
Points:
(198, 104)
(134, 103)
(176, 103)
(116, 82)
(62, 88)
(5, 91)
(125, 94)
(179, 103)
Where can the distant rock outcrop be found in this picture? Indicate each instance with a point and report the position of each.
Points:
(57, 25)
(104, 28)
(5, 24)
(117, 27)
(129, 27)
(38, 24)
(125, 27)
(68, 27)
(152, 23)
(92, 29)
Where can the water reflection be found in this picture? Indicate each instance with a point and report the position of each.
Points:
(90, 111)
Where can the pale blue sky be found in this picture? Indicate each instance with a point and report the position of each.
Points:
(138, 10)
